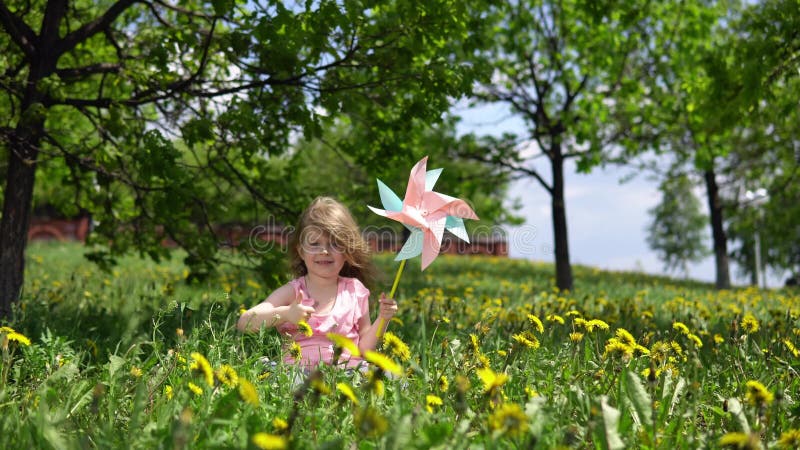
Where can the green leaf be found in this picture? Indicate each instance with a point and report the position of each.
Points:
(640, 400)
(609, 433)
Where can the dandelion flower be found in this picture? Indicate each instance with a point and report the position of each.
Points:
(345, 343)
(168, 392)
(248, 392)
(295, 351)
(536, 323)
(474, 344)
(792, 349)
(383, 362)
(576, 337)
(555, 318)
(757, 394)
(625, 337)
(509, 419)
(615, 347)
(681, 327)
(741, 441)
(280, 425)
(201, 365)
(749, 323)
(369, 422)
(789, 439)
(696, 339)
(596, 323)
(13, 336)
(305, 328)
(266, 441)
(718, 339)
(347, 392)
(227, 375)
(136, 372)
(395, 347)
(431, 402)
(491, 380)
(195, 388)
(527, 339)
(443, 384)
(6, 330)
(319, 386)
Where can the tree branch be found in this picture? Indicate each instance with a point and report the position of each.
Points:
(18, 30)
(98, 25)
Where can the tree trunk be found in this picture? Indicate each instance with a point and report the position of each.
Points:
(16, 216)
(718, 231)
(559, 211)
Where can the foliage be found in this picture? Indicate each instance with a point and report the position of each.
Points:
(676, 231)
(161, 120)
(635, 361)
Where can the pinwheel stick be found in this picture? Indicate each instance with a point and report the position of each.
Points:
(391, 294)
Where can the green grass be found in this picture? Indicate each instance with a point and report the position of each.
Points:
(106, 349)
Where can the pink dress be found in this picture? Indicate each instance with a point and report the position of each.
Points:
(351, 304)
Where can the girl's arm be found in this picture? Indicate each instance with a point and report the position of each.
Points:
(281, 306)
(368, 333)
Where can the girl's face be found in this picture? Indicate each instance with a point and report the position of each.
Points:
(322, 257)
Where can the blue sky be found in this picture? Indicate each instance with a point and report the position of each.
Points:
(606, 219)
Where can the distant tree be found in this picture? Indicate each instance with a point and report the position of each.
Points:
(567, 69)
(134, 104)
(676, 231)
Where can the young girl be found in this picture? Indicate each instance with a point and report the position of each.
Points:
(330, 259)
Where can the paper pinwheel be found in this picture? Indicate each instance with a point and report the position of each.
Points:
(426, 214)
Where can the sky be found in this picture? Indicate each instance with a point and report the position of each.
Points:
(606, 219)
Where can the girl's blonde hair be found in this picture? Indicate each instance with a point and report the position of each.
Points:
(327, 215)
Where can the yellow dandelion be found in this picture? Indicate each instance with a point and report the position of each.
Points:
(136, 372)
(596, 323)
(615, 347)
(395, 347)
(576, 337)
(483, 361)
(201, 365)
(696, 339)
(280, 425)
(555, 318)
(383, 362)
(718, 339)
(502, 353)
(792, 349)
(266, 441)
(680, 327)
(195, 388)
(13, 336)
(757, 394)
(474, 344)
(749, 323)
(344, 343)
(305, 328)
(789, 439)
(319, 386)
(168, 392)
(444, 384)
(740, 441)
(527, 339)
(6, 330)
(509, 419)
(248, 392)
(431, 402)
(369, 422)
(295, 351)
(625, 337)
(530, 392)
(347, 392)
(227, 375)
(536, 323)
(491, 380)
(573, 313)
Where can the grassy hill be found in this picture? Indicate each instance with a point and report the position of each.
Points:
(499, 358)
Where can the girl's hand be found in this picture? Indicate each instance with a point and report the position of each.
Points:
(297, 311)
(387, 307)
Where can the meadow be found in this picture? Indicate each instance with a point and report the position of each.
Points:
(484, 353)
